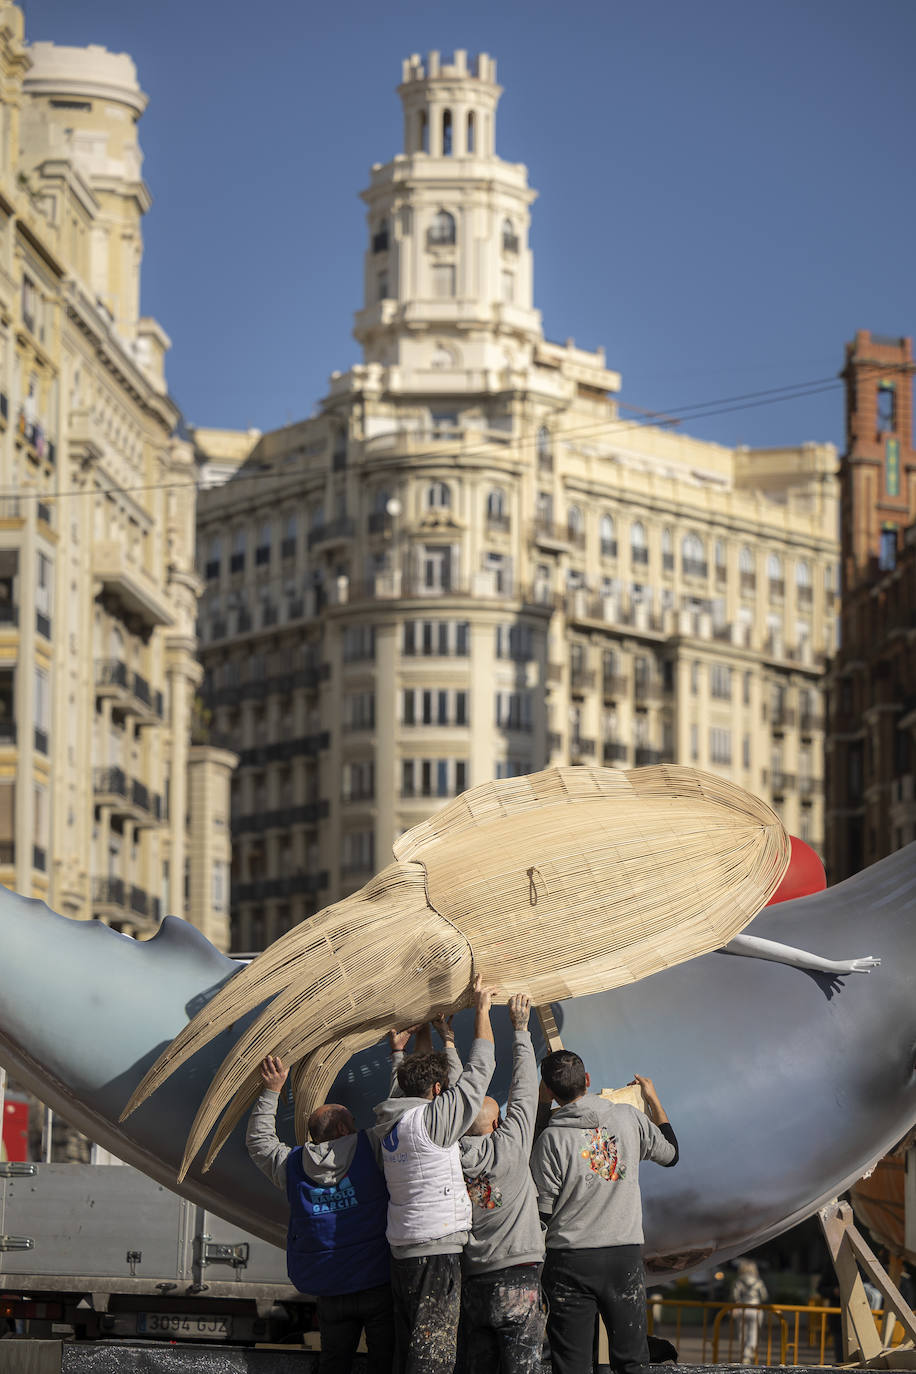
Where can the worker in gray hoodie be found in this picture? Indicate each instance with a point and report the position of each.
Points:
(429, 1212)
(585, 1165)
(336, 1247)
(502, 1310)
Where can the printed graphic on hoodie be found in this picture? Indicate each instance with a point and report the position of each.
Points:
(601, 1153)
(483, 1193)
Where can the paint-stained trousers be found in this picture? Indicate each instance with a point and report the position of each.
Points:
(580, 1284)
(427, 1304)
(341, 1322)
(502, 1322)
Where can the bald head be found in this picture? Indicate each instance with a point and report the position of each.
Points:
(487, 1119)
(330, 1123)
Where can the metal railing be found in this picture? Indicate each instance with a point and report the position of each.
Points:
(717, 1332)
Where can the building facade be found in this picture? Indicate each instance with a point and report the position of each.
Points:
(108, 809)
(871, 748)
(469, 564)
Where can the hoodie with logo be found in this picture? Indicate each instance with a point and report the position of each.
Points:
(505, 1227)
(585, 1165)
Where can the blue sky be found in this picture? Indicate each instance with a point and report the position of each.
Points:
(726, 188)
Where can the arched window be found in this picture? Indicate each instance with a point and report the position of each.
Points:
(443, 228)
(608, 537)
(496, 506)
(472, 131)
(720, 553)
(746, 562)
(693, 556)
(544, 448)
(380, 500)
(510, 238)
(422, 132)
(667, 550)
(639, 547)
(447, 133)
(775, 575)
(438, 496)
(574, 523)
(803, 590)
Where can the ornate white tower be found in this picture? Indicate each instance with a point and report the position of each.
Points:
(448, 270)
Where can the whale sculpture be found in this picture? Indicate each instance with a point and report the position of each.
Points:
(784, 1088)
(560, 883)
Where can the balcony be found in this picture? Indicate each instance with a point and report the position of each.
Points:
(308, 746)
(113, 897)
(380, 522)
(127, 796)
(580, 748)
(747, 583)
(777, 589)
(129, 586)
(809, 721)
(380, 241)
(237, 563)
(614, 752)
(638, 555)
(554, 742)
(262, 556)
(553, 538)
(694, 567)
(359, 794)
(804, 596)
(131, 691)
(613, 685)
(646, 690)
(265, 889)
(582, 679)
(554, 672)
(332, 532)
(282, 819)
(288, 548)
(646, 757)
(609, 548)
(779, 782)
(510, 243)
(781, 718)
(668, 562)
(807, 787)
(499, 524)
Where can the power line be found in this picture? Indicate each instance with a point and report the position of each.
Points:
(661, 419)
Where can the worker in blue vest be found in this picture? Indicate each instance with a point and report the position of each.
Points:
(338, 1204)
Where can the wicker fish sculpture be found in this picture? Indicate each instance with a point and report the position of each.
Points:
(562, 883)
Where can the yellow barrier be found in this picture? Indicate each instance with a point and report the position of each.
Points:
(786, 1333)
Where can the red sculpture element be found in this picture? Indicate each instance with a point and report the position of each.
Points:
(805, 874)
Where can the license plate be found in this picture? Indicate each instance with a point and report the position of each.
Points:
(184, 1326)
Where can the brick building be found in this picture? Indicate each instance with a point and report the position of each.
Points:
(871, 748)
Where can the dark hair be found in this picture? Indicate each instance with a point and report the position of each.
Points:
(418, 1072)
(564, 1074)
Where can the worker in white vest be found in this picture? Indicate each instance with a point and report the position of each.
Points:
(429, 1212)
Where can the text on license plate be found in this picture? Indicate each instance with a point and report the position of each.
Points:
(183, 1324)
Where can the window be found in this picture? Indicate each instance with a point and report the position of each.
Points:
(509, 236)
(515, 642)
(500, 566)
(262, 552)
(746, 690)
(496, 507)
(746, 751)
(42, 707)
(461, 708)
(694, 743)
(358, 852)
(433, 777)
(544, 448)
(667, 551)
(720, 682)
(44, 574)
(694, 677)
(438, 496)
(639, 548)
(290, 532)
(381, 287)
(720, 746)
(422, 132)
(775, 578)
(239, 544)
(358, 642)
(721, 570)
(512, 768)
(574, 525)
(472, 132)
(513, 711)
(887, 405)
(446, 133)
(607, 537)
(218, 887)
(359, 780)
(214, 558)
(693, 556)
(887, 553)
(40, 830)
(359, 711)
(380, 237)
(442, 229)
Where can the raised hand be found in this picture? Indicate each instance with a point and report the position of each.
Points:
(273, 1073)
(519, 1010)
